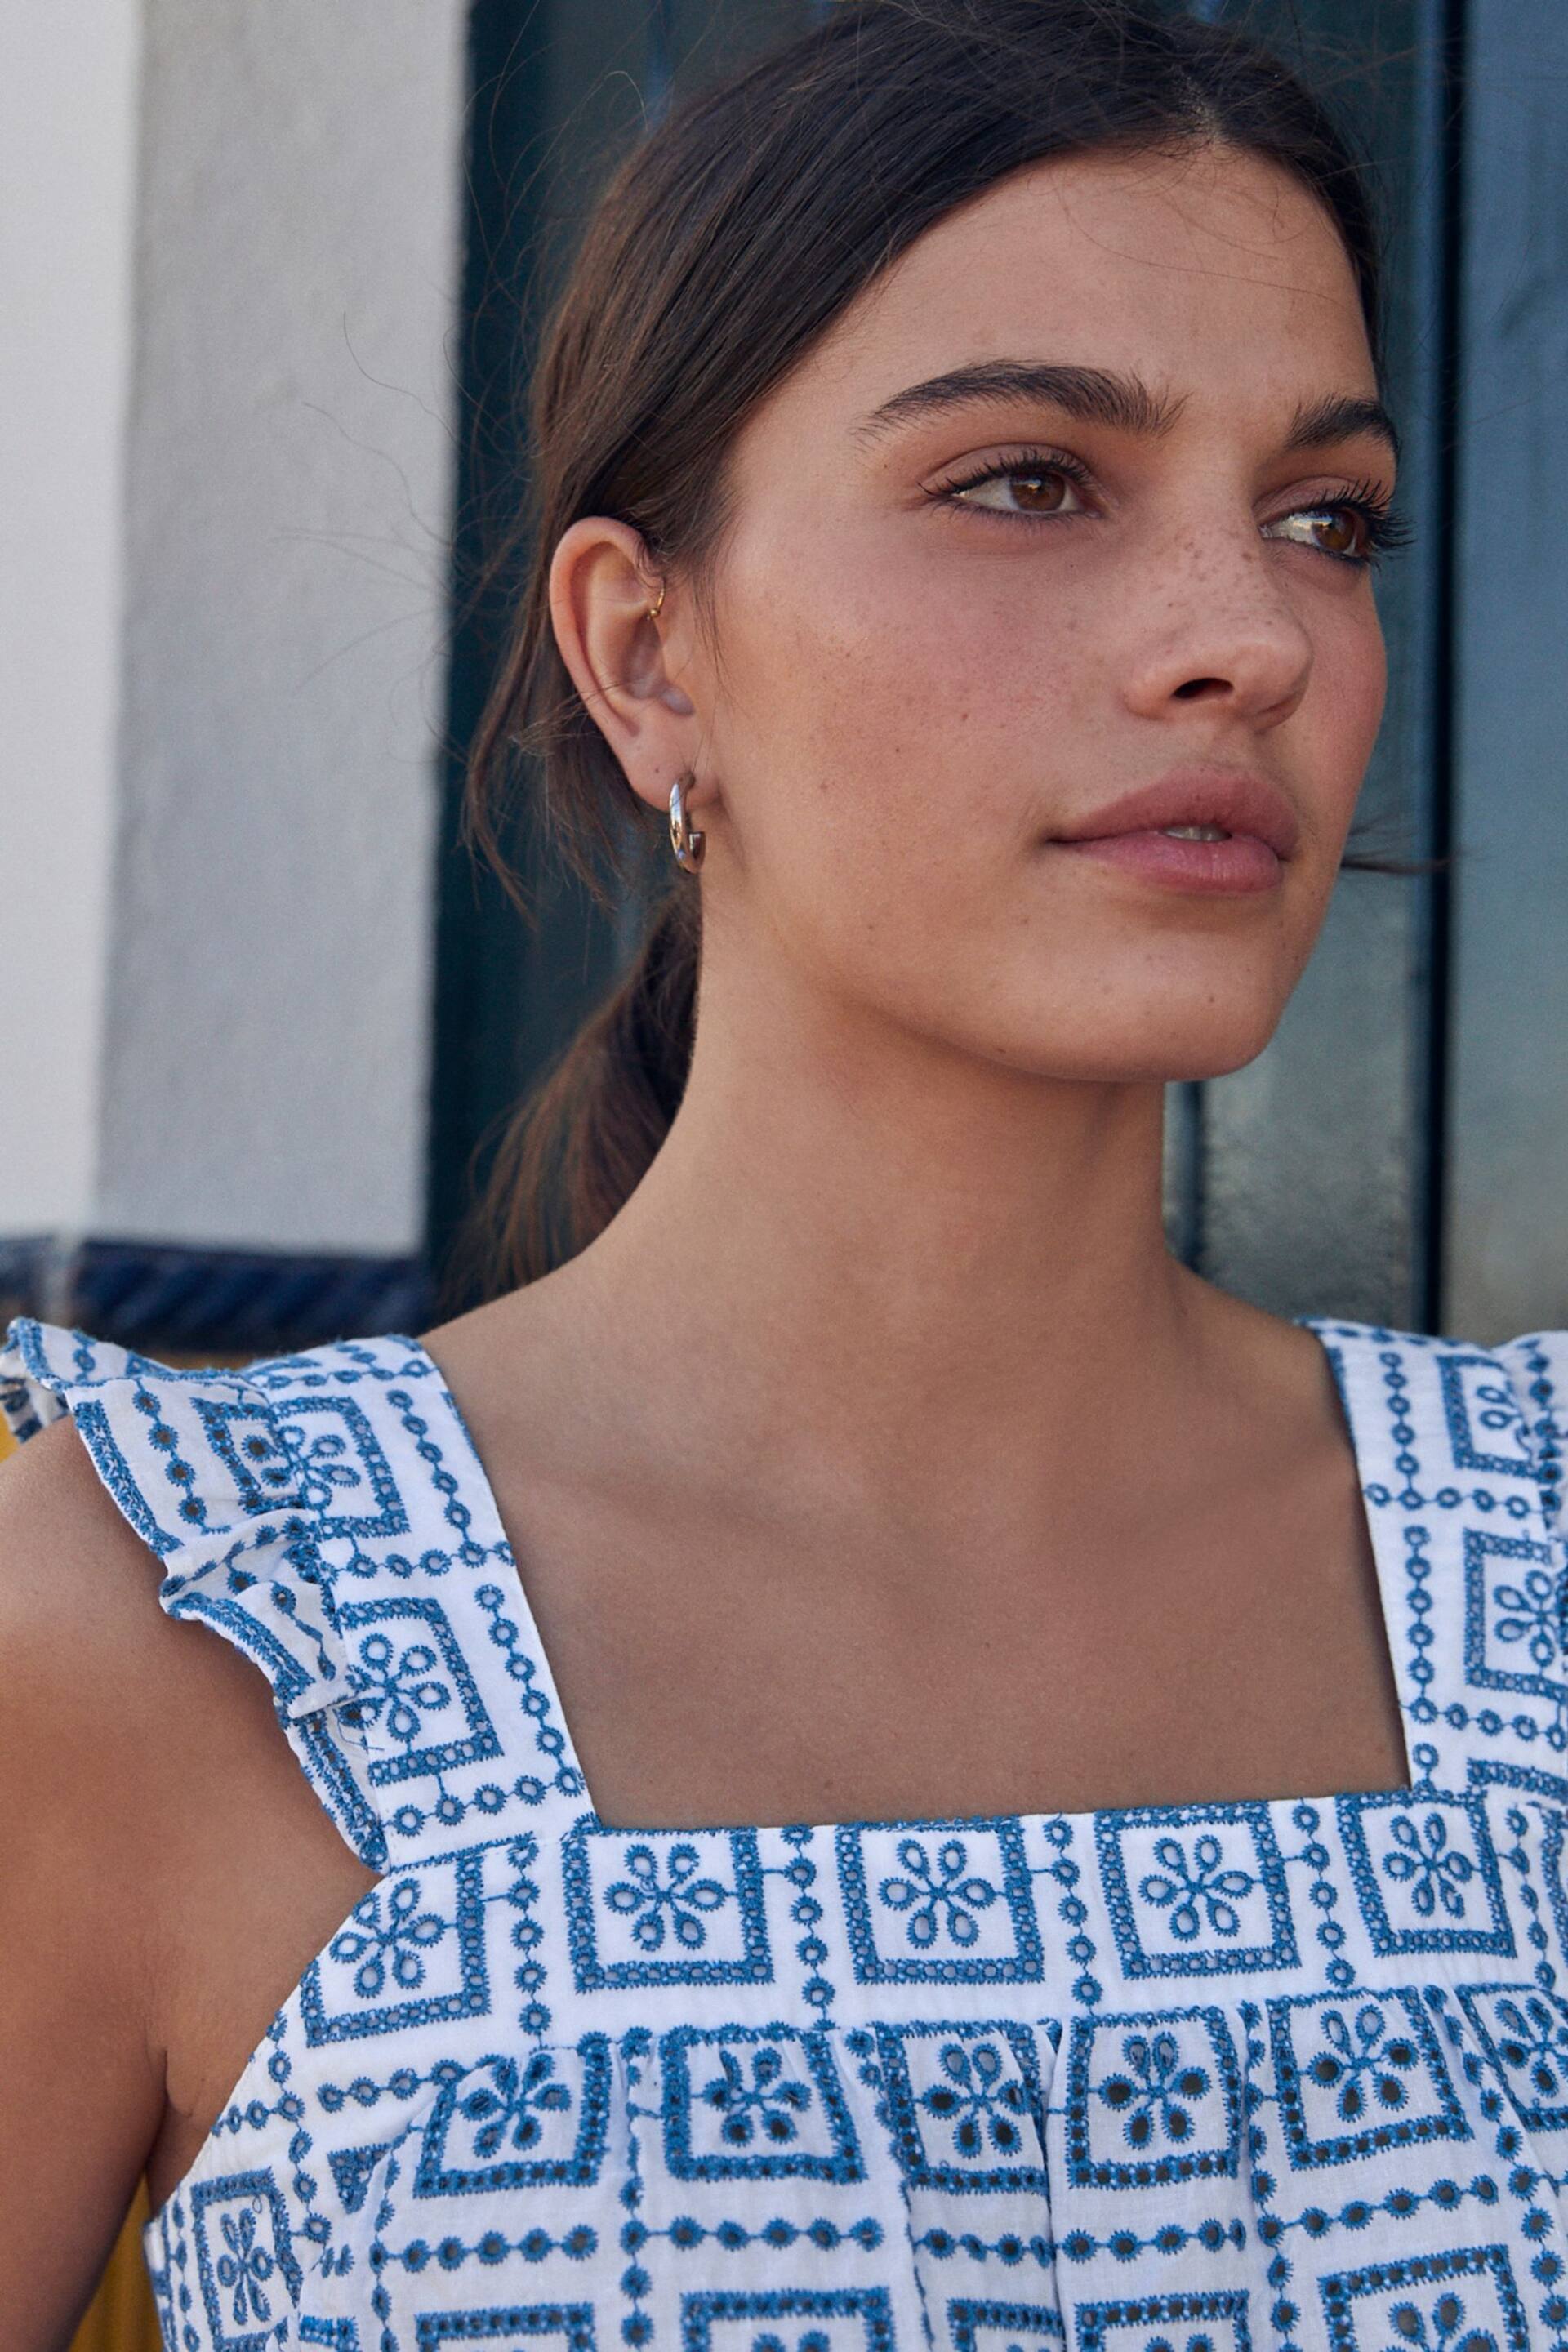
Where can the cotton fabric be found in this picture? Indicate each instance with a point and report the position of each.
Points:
(1289, 2074)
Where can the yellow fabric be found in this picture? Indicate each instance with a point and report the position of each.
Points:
(120, 2316)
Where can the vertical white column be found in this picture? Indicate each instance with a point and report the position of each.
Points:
(222, 592)
(68, 109)
(290, 471)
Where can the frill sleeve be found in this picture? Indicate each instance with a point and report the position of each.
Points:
(206, 1471)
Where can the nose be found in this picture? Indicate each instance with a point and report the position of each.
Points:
(1218, 630)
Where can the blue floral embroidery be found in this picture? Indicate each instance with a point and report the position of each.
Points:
(1434, 1873)
(685, 1897)
(1514, 1615)
(666, 1908)
(1153, 2094)
(1525, 2030)
(1364, 2064)
(965, 2105)
(767, 2107)
(754, 2103)
(249, 2278)
(1461, 2300)
(1531, 1612)
(537, 2122)
(1215, 1900)
(939, 1895)
(984, 2105)
(1204, 1892)
(1424, 1871)
(509, 2108)
(1360, 2073)
(397, 1690)
(395, 1943)
(405, 1958)
(939, 1902)
(244, 2268)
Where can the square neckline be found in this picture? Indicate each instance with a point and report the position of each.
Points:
(1386, 1564)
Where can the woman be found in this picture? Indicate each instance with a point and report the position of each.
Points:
(880, 1761)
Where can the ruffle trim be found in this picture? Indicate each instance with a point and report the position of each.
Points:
(217, 1483)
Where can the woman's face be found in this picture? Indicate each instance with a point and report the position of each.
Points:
(915, 768)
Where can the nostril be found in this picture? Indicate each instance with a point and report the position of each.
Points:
(1196, 685)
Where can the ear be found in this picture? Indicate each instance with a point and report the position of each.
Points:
(601, 586)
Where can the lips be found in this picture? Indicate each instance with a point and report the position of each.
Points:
(1238, 801)
(1206, 830)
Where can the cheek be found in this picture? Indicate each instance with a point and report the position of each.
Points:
(919, 712)
(1342, 719)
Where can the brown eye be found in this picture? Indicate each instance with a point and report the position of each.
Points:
(1040, 492)
(1037, 491)
(1339, 530)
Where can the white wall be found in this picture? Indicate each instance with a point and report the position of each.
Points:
(263, 983)
(67, 137)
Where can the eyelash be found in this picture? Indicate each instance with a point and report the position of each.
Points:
(1384, 525)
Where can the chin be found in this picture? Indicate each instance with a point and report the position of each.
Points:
(1166, 1050)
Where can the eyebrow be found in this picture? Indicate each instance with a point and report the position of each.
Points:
(1340, 416)
(1100, 396)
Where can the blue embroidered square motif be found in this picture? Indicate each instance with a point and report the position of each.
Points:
(1513, 1619)
(754, 2103)
(1125, 2326)
(1424, 1871)
(1151, 2096)
(247, 1441)
(1467, 2297)
(327, 1449)
(964, 2106)
(1194, 1890)
(567, 2326)
(664, 1906)
(941, 1902)
(250, 2281)
(976, 2327)
(410, 1953)
(412, 1686)
(838, 2319)
(530, 2118)
(1525, 2032)
(1486, 1430)
(1358, 2071)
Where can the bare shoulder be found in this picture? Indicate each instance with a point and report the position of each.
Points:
(108, 1693)
(145, 1946)
(73, 1573)
(77, 2043)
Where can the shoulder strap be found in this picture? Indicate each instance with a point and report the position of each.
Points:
(325, 1513)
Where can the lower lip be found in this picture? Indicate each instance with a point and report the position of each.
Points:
(1241, 864)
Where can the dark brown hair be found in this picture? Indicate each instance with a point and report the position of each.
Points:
(724, 245)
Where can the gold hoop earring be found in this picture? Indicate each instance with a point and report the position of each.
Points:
(653, 609)
(685, 842)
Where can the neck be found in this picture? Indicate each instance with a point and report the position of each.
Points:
(861, 1242)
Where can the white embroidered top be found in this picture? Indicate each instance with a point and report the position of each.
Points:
(1193, 2078)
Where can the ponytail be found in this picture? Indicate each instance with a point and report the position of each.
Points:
(581, 1142)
